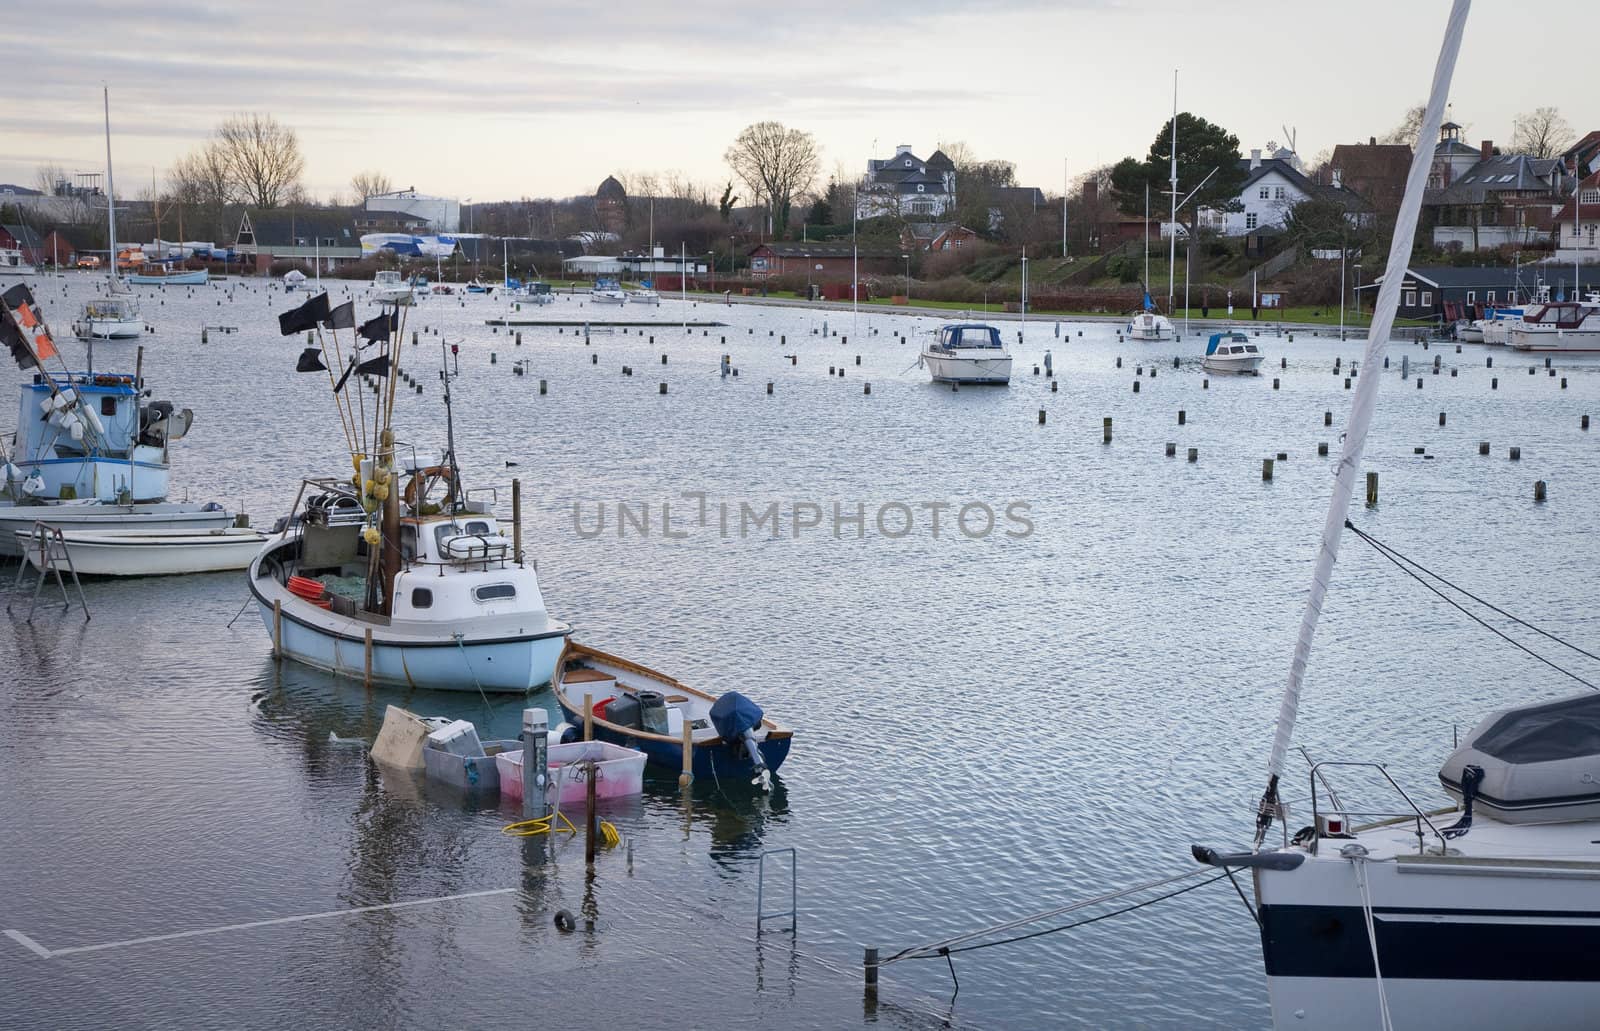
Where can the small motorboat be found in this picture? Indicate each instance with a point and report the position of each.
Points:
(646, 294)
(608, 291)
(635, 706)
(1469, 331)
(1232, 352)
(150, 552)
(389, 286)
(478, 286)
(294, 279)
(967, 353)
(161, 273)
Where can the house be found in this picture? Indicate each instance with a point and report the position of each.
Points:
(1272, 187)
(56, 249)
(1447, 293)
(937, 236)
(906, 186)
(328, 234)
(1016, 204)
(589, 265)
(24, 239)
(1375, 172)
(1583, 155)
(1497, 200)
(1577, 225)
(821, 260)
(1452, 156)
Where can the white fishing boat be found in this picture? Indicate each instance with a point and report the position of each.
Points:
(967, 353)
(151, 552)
(388, 286)
(1483, 915)
(608, 291)
(1558, 326)
(395, 576)
(164, 274)
(116, 315)
(13, 264)
(90, 451)
(1232, 352)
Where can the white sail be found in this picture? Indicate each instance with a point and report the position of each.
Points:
(1366, 393)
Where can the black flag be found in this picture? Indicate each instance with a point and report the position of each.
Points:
(17, 344)
(348, 370)
(378, 366)
(304, 317)
(310, 361)
(378, 328)
(342, 317)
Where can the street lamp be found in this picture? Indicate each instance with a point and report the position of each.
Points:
(907, 258)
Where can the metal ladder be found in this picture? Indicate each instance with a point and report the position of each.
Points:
(47, 549)
(762, 916)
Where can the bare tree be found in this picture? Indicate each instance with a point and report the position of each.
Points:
(1406, 131)
(369, 184)
(776, 163)
(200, 185)
(264, 159)
(48, 176)
(1541, 133)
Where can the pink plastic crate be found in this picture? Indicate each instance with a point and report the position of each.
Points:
(621, 771)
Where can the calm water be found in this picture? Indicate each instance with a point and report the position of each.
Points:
(986, 725)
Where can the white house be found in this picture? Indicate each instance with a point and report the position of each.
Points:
(906, 186)
(1578, 225)
(1271, 188)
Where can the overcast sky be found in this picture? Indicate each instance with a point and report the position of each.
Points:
(494, 99)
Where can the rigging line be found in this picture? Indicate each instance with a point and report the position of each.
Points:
(946, 952)
(1460, 608)
(1456, 587)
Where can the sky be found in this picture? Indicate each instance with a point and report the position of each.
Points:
(493, 99)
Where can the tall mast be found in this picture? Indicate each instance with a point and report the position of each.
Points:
(1147, 237)
(1172, 258)
(111, 187)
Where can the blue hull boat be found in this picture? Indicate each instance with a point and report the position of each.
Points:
(640, 708)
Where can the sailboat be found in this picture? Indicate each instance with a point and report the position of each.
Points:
(1147, 323)
(394, 575)
(1481, 916)
(116, 315)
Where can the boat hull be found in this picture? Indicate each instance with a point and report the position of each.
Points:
(1525, 339)
(1243, 365)
(195, 278)
(154, 553)
(72, 518)
(109, 329)
(976, 370)
(720, 760)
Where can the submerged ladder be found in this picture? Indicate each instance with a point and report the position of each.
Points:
(46, 547)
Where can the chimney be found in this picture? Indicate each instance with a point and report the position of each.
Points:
(1255, 160)
(1372, 141)
(1487, 149)
(904, 148)
(1091, 193)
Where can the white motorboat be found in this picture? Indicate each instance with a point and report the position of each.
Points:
(151, 552)
(1481, 916)
(645, 296)
(1469, 331)
(294, 279)
(1232, 352)
(377, 579)
(1497, 325)
(1558, 326)
(1149, 325)
(967, 353)
(160, 273)
(73, 517)
(388, 286)
(12, 263)
(608, 291)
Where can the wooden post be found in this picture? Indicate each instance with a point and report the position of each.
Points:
(1266, 470)
(1538, 490)
(367, 672)
(1372, 489)
(516, 519)
(1172, 448)
(869, 964)
(588, 717)
(1041, 417)
(1106, 430)
(277, 628)
(1483, 447)
(588, 814)
(687, 776)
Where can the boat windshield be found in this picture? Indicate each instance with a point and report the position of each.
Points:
(445, 531)
(970, 336)
(387, 278)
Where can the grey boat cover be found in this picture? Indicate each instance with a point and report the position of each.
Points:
(1541, 763)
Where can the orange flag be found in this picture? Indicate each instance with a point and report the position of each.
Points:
(43, 346)
(26, 316)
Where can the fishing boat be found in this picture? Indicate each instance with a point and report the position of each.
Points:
(1558, 326)
(1232, 352)
(422, 589)
(967, 352)
(159, 552)
(116, 315)
(163, 274)
(13, 264)
(1482, 915)
(1497, 324)
(389, 287)
(90, 451)
(636, 706)
(608, 291)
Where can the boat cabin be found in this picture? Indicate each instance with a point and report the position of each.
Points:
(1230, 344)
(89, 436)
(969, 336)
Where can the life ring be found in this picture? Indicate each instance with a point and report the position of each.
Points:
(416, 486)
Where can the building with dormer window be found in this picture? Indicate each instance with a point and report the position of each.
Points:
(906, 186)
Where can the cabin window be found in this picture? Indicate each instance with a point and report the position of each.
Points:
(1411, 298)
(408, 543)
(478, 526)
(108, 406)
(1252, 349)
(421, 598)
(1427, 298)
(494, 592)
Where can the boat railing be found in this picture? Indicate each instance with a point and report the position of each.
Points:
(1413, 813)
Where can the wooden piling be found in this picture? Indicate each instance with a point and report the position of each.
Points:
(1266, 470)
(1372, 489)
(1183, 417)
(588, 717)
(663, 388)
(366, 678)
(1135, 386)
(686, 777)
(1516, 454)
(516, 519)
(869, 966)
(1327, 418)
(1322, 448)
(1583, 422)
(544, 387)
(588, 814)
(1172, 448)
(1194, 454)
(1483, 447)
(1538, 490)
(1441, 418)
(1105, 430)
(277, 628)
(1041, 417)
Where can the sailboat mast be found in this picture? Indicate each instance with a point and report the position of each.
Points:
(111, 187)
(1172, 258)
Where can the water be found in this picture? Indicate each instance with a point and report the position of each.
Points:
(985, 725)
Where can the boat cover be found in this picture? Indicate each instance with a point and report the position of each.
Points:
(733, 714)
(1540, 762)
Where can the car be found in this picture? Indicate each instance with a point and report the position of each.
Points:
(89, 261)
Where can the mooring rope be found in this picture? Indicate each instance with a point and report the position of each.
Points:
(1404, 565)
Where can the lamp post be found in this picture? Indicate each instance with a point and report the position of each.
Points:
(907, 258)
(711, 263)
(808, 277)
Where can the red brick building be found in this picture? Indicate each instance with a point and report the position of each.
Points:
(823, 261)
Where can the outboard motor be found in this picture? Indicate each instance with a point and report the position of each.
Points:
(736, 717)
